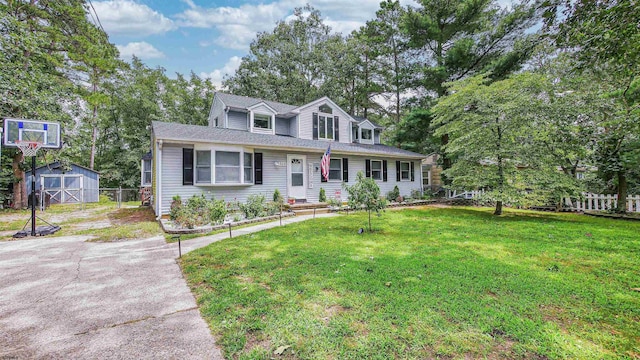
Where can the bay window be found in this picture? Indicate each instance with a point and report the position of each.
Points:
(203, 166)
(227, 167)
(248, 168)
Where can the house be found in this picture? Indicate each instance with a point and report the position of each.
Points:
(431, 173)
(255, 146)
(63, 184)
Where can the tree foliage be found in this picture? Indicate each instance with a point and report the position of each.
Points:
(365, 194)
(604, 37)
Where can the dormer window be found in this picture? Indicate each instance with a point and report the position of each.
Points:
(325, 127)
(262, 121)
(367, 134)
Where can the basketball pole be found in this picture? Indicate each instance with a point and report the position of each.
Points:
(33, 196)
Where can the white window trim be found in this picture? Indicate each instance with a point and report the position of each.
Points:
(325, 126)
(362, 139)
(195, 167)
(341, 170)
(254, 129)
(252, 167)
(381, 170)
(226, 148)
(408, 171)
(142, 183)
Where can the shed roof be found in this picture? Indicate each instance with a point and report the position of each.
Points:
(205, 134)
(57, 165)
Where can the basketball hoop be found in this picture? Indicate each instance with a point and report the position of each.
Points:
(28, 148)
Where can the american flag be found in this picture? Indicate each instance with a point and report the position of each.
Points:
(324, 164)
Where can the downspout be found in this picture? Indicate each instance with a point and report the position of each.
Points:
(159, 179)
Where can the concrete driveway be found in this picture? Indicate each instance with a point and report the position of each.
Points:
(62, 297)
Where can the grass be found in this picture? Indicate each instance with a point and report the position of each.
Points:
(172, 238)
(128, 223)
(428, 283)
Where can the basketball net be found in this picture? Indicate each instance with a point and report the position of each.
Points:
(29, 148)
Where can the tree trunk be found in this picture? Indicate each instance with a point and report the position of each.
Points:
(622, 192)
(498, 208)
(94, 121)
(369, 220)
(19, 184)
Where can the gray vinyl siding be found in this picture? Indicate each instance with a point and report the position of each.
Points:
(237, 120)
(217, 110)
(274, 177)
(282, 126)
(293, 126)
(90, 182)
(306, 123)
(357, 163)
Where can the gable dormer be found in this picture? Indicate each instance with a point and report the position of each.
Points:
(364, 131)
(323, 119)
(262, 119)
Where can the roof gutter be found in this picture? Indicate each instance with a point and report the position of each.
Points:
(299, 148)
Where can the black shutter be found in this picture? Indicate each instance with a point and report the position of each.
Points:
(345, 169)
(413, 177)
(322, 179)
(257, 168)
(384, 170)
(397, 170)
(187, 166)
(336, 126)
(367, 168)
(315, 126)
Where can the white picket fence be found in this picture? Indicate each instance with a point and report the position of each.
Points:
(602, 202)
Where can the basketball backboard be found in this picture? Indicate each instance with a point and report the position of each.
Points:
(45, 132)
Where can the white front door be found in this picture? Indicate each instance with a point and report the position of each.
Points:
(296, 179)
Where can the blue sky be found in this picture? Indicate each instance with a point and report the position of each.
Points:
(210, 37)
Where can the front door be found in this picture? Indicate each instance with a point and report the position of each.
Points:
(296, 179)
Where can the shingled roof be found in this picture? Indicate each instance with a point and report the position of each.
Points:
(244, 102)
(195, 133)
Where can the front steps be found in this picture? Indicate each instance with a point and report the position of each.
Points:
(310, 208)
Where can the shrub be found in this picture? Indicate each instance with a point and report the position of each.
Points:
(272, 208)
(416, 194)
(176, 207)
(394, 194)
(217, 211)
(198, 207)
(197, 211)
(334, 202)
(254, 207)
(277, 197)
(323, 196)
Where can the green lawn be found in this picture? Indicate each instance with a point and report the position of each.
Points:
(430, 283)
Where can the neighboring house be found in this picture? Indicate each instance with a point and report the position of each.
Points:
(431, 173)
(255, 146)
(66, 184)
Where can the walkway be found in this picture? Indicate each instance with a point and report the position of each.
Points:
(63, 297)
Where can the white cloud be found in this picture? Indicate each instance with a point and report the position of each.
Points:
(218, 75)
(142, 50)
(238, 26)
(127, 17)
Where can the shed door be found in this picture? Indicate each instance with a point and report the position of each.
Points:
(63, 188)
